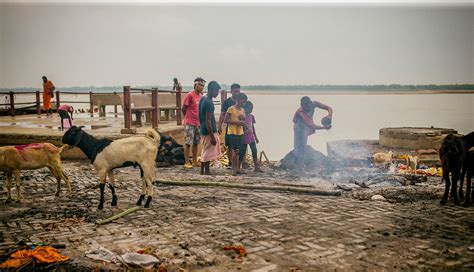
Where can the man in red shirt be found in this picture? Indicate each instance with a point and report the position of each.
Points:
(192, 136)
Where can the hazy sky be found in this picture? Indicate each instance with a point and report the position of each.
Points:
(124, 44)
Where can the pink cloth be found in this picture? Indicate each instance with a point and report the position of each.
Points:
(192, 112)
(210, 152)
(249, 136)
(66, 107)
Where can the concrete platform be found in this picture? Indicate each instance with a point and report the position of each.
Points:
(25, 129)
(413, 137)
(416, 141)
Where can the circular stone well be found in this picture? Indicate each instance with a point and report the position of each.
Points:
(413, 137)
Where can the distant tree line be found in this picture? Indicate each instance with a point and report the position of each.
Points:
(391, 87)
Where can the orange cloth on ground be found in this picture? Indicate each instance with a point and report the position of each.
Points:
(42, 254)
(14, 263)
(46, 254)
(47, 90)
(17, 259)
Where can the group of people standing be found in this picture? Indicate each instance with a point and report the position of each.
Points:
(199, 122)
(236, 121)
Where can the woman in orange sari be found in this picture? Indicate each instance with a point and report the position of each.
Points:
(48, 93)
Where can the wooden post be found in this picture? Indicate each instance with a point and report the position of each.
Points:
(223, 96)
(115, 108)
(38, 103)
(127, 110)
(178, 107)
(91, 104)
(12, 103)
(155, 119)
(58, 100)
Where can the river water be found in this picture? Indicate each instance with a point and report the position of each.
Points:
(356, 116)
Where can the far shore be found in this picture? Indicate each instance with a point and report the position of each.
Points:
(358, 92)
(295, 92)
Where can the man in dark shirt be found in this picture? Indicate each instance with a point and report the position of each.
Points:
(211, 148)
(229, 102)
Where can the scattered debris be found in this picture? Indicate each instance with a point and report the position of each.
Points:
(431, 171)
(143, 260)
(361, 184)
(67, 222)
(31, 245)
(343, 187)
(184, 245)
(378, 198)
(117, 216)
(102, 254)
(223, 161)
(238, 249)
(147, 250)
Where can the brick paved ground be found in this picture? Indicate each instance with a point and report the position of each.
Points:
(188, 226)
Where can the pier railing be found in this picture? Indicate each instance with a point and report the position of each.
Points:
(129, 106)
(34, 105)
(12, 106)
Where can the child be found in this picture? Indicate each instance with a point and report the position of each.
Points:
(235, 120)
(64, 111)
(250, 137)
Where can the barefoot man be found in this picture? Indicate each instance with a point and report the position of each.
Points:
(211, 147)
(48, 93)
(304, 126)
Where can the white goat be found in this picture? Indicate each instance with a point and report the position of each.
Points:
(383, 158)
(28, 157)
(107, 155)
